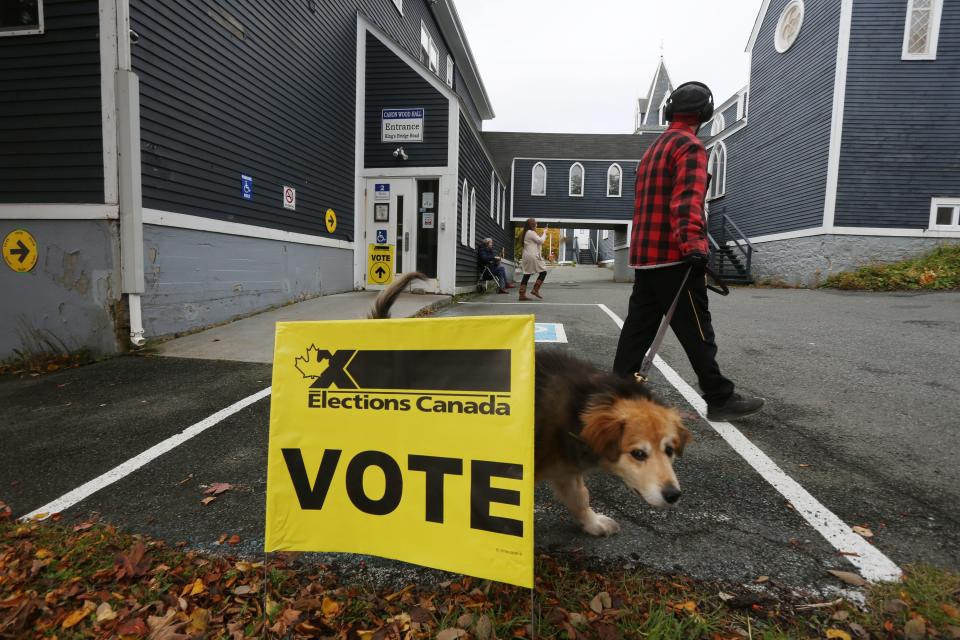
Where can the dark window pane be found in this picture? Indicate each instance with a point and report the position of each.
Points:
(944, 215)
(19, 14)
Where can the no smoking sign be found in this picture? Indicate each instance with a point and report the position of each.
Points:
(289, 198)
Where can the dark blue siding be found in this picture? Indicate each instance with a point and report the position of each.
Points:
(594, 205)
(901, 121)
(277, 105)
(391, 84)
(729, 115)
(777, 165)
(476, 168)
(51, 147)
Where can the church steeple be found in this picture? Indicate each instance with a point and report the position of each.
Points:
(648, 114)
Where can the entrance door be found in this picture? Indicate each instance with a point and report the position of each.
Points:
(403, 212)
(391, 213)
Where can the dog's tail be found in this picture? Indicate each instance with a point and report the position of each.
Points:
(381, 307)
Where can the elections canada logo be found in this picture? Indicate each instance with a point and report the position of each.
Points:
(461, 381)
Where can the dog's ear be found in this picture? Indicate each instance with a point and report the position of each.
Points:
(603, 432)
(683, 437)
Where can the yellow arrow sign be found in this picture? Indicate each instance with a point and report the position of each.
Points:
(380, 264)
(331, 220)
(20, 251)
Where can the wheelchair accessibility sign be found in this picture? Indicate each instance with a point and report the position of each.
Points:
(549, 332)
(381, 236)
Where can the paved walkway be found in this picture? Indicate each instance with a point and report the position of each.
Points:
(582, 273)
(251, 339)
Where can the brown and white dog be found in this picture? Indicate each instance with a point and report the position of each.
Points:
(587, 420)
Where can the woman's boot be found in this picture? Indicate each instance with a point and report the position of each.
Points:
(536, 289)
(523, 292)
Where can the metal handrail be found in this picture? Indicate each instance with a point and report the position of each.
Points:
(739, 239)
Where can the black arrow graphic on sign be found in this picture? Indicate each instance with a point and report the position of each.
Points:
(23, 251)
(380, 270)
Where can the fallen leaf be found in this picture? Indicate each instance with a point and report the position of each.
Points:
(577, 619)
(83, 526)
(243, 590)
(42, 554)
(895, 606)
(762, 579)
(607, 632)
(198, 588)
(465, 620)
(208, 500)
(105, 613)
(863, 531)
(859, 630)
(803, 466)
(595, 605)
(330, 607)
(605, 599)
(77, 616)
(950, 610)
(725, 596)
(484, 628)
(5, 511)
(217, 488)
(848, 577)
(233, 540)
(927, 277)
(243, 567)
(451, 634)
(135, 628)
(953, 632)
(689, 606)
(199, 620)
(838, 633)
(915, 629)
(133, 563)
(888, 626)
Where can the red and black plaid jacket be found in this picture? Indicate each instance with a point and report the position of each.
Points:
(668, 219)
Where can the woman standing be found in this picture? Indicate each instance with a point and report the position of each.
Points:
(532, 261)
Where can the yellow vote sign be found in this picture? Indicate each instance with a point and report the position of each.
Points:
(380, 264)
(406, 439)
(20, 250)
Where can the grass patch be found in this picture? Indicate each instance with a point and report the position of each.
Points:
(936, 270)
(89, 580)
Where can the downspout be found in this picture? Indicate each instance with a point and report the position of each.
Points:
(130, 187)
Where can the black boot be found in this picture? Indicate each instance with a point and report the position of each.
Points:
(736, 406)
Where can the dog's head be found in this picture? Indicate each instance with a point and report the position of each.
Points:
(637, 439)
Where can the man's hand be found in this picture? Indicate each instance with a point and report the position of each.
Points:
(696, 259)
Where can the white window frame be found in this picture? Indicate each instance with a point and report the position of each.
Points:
(464, 213)
(503, 206)
(716, 124)
(434, 62)
(450, 68)
(778, 42)
(619, 193)
(741, 105)
(936, 10)
(424, 42)
(473, 217)
(718, 183)
(936, 203)
(533, 182)
(583, 181)
(661, 118)
(399, 5)
(493, 194)
(28, 32)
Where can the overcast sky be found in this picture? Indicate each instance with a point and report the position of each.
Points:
(577, 67)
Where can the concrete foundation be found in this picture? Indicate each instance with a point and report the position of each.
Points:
(69, 301)
(198, 278)
(806, 262)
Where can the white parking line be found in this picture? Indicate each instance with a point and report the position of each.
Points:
(870, 561)
(117, 473)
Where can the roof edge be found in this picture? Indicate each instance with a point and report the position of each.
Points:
(761, 15)
(449, 21)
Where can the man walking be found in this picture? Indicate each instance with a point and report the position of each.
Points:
(669, 239)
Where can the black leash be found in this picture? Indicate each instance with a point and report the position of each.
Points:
(720, 287)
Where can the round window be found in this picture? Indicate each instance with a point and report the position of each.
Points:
(789, 25)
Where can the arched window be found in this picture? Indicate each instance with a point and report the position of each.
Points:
(576, 180)
(922, 29)
(493, 195)
(473, 217)
(464, 213)
(538, 184)
(614, 181)
(717, 168)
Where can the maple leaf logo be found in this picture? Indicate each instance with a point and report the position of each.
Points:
(312, 366)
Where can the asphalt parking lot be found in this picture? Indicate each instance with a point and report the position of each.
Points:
(860, 431)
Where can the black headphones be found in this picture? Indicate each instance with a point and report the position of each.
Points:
(702, 107)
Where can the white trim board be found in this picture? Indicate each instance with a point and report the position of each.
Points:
(855, 231)
(575, 221)
(33, 211)
(579, 159)
(197, 223)
(836, 121)
(109, 63)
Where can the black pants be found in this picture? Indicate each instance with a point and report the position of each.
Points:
(526, 278)
(653, 292)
